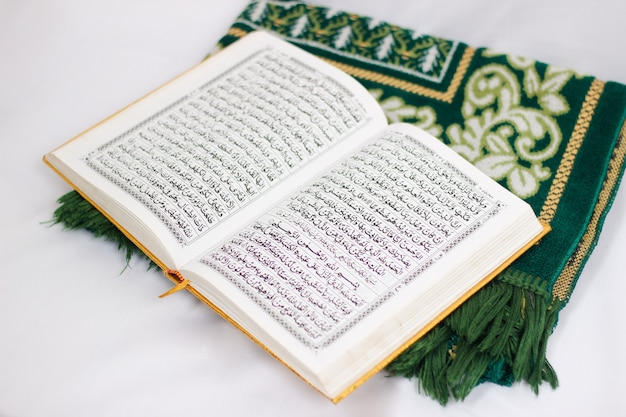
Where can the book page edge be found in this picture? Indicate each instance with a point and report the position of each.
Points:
(126, 233)
(444, 313)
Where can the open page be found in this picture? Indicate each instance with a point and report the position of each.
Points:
(181, 168)
(341, 273)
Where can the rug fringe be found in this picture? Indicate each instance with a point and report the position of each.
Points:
(76, 213)
(499, 335)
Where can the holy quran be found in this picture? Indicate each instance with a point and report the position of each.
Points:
(267, 183)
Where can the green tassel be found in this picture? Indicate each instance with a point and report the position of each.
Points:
(499, 335)
(427, 360)
(76, 213)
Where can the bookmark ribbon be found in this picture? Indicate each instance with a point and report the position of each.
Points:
(181, 285)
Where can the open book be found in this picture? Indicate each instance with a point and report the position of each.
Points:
(268, 184)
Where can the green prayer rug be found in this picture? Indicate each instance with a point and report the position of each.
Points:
(550, 135)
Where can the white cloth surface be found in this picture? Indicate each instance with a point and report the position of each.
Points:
(82, 334)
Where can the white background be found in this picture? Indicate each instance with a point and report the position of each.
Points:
(81, 334)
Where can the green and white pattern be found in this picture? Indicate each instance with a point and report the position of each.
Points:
(360, 38)
(505, 138)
